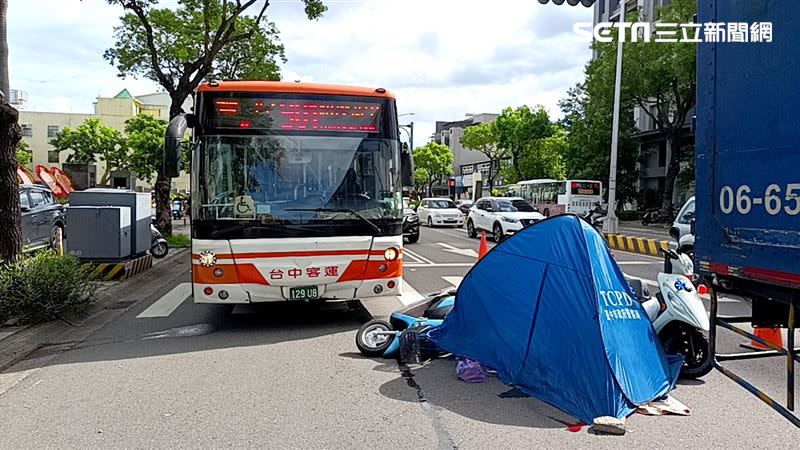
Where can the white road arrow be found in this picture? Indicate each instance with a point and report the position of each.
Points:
(459, 251)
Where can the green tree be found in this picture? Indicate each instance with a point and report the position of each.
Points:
(483, 138)
(587, 122)
(420, 178)
(91, 141)
(24, 154)
(144, 140)
(436, 160)
(197, 40)
(518, 131)
(543, 158)
(659, 78)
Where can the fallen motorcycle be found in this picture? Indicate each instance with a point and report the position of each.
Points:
(409, 326)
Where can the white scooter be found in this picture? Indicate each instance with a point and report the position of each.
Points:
(678, 314)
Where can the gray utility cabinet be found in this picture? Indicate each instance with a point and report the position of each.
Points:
(99, 233)
(140, 212)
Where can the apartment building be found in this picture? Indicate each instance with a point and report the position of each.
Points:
(39, 127)
(653, 148)
(466, 162)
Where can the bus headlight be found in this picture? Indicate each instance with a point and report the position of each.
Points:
(207, 258)
(391, 254)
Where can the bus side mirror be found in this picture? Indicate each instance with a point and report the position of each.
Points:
(172, 146)
(406, 167)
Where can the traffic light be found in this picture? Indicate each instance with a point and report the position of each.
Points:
(451, 188)
(586, 3)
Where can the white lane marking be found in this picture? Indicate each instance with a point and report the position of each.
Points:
(635, 263)
(167, 304)
(418, 256)
(459, 237)
(459, 251)
(409, 295)
(408, 255)
(455, 281)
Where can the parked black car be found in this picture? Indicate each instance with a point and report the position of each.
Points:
(41, 217)
(410, 225)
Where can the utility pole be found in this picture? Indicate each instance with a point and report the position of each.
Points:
(611, 223)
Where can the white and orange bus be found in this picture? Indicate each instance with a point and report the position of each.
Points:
(554, 197)
(296, 191)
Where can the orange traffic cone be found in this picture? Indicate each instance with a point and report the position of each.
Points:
(484, 248)
(771, 335)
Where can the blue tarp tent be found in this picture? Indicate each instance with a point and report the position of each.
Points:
(549, 309)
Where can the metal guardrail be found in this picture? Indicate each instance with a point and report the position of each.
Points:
(790, 352)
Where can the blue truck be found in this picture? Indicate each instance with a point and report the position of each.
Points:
(748, 176)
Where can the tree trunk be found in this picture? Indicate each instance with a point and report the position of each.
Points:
(105, 177)
(515, 162)
(492, 174)
(10, 134)
(163, 209)
(673, 169)
(5, 84)
(11, 234)
(430, 186)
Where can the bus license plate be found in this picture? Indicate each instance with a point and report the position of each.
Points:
(304, 293)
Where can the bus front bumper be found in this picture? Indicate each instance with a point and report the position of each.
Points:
(230, 294)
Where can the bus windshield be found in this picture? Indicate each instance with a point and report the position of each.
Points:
(277, 176)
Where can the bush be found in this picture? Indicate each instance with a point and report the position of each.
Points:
(44, 287)
(179, 240)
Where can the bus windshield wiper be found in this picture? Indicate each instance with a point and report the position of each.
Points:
(341, 210)
(283, 228)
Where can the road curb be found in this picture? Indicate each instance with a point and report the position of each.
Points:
(633, 244)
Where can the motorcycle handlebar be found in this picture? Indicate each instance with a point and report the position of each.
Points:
(672, 254)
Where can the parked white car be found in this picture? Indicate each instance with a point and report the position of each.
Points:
(439, 211)
(501, 216)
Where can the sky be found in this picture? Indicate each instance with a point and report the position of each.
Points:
(443, 59)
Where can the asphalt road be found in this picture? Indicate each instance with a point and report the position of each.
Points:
(182, 375)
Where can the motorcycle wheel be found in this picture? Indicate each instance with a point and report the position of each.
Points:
(645, 221)
(159, 250)
(693, 346)
(370, 344)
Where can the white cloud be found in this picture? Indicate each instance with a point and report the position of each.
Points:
(442, 58)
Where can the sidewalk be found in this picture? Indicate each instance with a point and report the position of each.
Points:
(18, 342)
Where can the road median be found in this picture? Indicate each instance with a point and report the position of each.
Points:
(634, 244)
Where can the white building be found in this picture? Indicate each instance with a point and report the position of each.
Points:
(39, 127)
